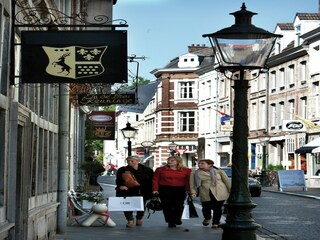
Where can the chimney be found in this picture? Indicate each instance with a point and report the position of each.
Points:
(196, 47)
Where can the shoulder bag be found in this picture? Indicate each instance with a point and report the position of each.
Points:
(129, 179)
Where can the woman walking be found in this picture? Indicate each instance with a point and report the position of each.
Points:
(171, 182)
(144, 176)
(213, 186)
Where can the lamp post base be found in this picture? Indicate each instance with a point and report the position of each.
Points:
(239, 223)
(264, 179)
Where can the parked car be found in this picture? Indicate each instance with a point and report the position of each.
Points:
(254, 184)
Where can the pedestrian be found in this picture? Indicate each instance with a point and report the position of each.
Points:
(213, 187)
(110, 169)
(171, 182)
(144, 176)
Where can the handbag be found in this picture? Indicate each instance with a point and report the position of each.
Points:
(189, 210)
(154, 204)
(129, 179)
(125, 204)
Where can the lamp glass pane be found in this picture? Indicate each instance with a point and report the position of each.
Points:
(129, 133)
(243, 52)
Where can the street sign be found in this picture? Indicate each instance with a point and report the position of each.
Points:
(181, 151)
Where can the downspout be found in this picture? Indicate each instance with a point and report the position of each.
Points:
(63, 157)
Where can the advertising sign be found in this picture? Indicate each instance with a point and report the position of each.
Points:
(74, 56)
(293, 126)
(100, 125)
(291, 179)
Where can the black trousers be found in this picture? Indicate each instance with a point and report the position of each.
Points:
(172, 199)
(214, 205)
(139, 215)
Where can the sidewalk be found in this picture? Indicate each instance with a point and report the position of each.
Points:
(155, 227)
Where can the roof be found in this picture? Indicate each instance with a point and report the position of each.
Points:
(308, 16)
(202, 52)
(285, 26)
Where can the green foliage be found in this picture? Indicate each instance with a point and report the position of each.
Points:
(99, 158)
(95, 197)
(111, 108)
(90, 130)
(91, 146)
(92, 167)
(272, 167)
(141, 81)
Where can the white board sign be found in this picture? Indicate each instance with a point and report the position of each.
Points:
(291, 179)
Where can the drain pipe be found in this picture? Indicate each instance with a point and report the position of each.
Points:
(63, 157)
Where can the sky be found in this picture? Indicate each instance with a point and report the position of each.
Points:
(161, 30)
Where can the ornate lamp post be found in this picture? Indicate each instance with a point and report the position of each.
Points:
(146, 145)
(238, 49)
(172, 147)
(264, 141)
(129, 132)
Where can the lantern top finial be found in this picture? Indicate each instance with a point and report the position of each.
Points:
(243, 16)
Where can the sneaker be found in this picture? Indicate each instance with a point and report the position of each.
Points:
(205, 222)
(130, 224)
(139, 222)
(215, 226)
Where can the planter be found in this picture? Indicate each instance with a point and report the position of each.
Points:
(86, 204)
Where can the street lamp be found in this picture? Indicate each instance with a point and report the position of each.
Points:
(264, 141)
(172, 147)
(146, 145)
(129, 132)
(238, 48)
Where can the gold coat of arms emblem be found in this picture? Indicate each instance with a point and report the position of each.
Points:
(75, 61)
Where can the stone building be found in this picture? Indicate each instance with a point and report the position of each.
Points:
(41, 133)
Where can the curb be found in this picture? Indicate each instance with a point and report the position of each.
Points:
(293, 194)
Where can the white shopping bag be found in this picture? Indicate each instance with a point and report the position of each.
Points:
(125, 204)
(185, 213)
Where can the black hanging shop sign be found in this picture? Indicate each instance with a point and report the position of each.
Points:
(74, 56)
(106, 99)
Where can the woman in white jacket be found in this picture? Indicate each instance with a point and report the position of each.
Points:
(213, 187)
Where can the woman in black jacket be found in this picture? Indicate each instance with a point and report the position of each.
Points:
(144, 176)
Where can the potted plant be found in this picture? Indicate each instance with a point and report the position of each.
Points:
(88, 199)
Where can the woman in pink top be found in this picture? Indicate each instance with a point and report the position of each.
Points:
(171, 182)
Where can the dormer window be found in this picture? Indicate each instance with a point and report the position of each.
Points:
(188, 60)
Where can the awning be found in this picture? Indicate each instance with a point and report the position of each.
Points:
(316, 150)
(307, 148)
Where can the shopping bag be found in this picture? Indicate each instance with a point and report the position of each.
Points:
(192, 209)
(189, 210)
(125, 204)
(185, 213)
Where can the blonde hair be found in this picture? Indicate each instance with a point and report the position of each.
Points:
(134, 157)
(179, 161)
